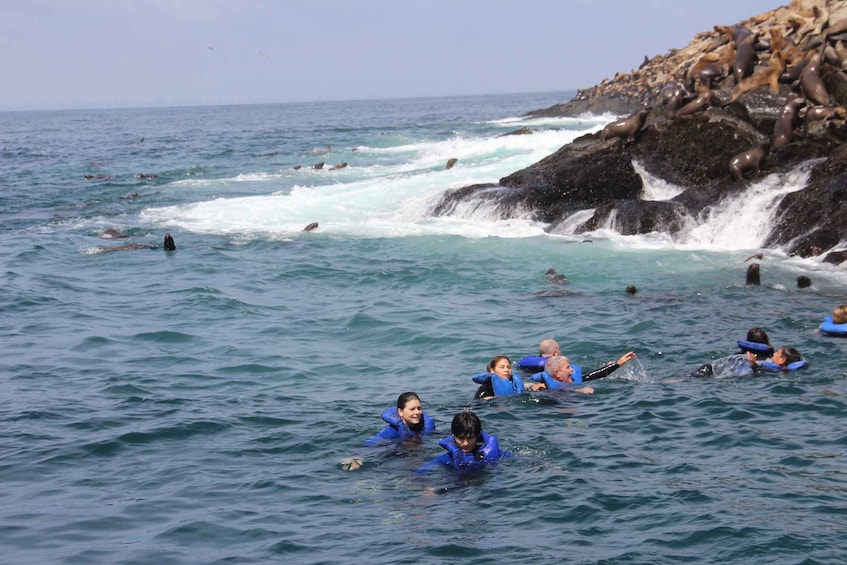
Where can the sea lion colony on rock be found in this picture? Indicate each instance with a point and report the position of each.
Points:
(782, 49)
(771, 88)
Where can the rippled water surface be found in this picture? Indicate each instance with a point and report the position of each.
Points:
(194, 406)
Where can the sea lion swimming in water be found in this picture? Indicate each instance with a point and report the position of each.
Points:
(753, 278)
(112, 233)
(168, 244)
(626, 128)
(555, 278)
(311, 227)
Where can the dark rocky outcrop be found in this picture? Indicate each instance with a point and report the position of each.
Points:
(693, 151)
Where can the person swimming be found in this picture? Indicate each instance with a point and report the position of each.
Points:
(469, 449)
(405, 422)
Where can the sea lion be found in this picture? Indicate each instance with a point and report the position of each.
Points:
(338, 166)
(555, 278)
(703, 101)
(673, 96)
(758, 256)
(803, 281)
(792, 73)
(631, 289)
(450, 162)
(318, 166)
(712, 72)
(783, 128)
(753, 278)
(311, 227)
(128, 247)
(626, 128)
(811, 83)
(745, 58)
(749, 160)
(823, 113)
(769, 76)
(836, 55)
(168, 245)
(112, 233)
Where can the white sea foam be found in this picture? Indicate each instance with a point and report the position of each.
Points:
(744, 220)
(654, 187)
(391, 191)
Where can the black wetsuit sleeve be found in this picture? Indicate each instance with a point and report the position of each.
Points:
(603, 371)
(485, 389)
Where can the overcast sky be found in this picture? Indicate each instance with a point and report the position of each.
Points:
(57, 54)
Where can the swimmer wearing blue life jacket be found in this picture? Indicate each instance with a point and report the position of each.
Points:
(469, 449)
(783, 359)
(757, 342)
(406, 422)
(499, 380)
(559, 373)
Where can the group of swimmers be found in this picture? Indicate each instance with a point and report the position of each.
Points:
(757, 355)
(469, 448)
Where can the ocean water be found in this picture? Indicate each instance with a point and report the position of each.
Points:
(194, 406)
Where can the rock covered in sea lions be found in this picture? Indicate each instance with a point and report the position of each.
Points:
(731, 120)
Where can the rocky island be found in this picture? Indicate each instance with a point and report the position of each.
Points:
(766, 95)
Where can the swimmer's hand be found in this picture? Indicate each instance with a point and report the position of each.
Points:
(351, 463)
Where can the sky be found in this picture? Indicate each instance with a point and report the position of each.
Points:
(69, 54)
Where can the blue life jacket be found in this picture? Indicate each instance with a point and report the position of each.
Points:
(392, 417)
(772, 367)
(397, 430)
(532, 363)
(754, 347)
(486, 453)
(553, 384)
(501, 387)
(829, 328)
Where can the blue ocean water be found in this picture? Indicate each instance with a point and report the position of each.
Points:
(194, 406)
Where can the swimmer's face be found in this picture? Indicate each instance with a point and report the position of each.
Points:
(779, 357)
(466, 443)
(411, 412)
(565, 373)
(503, 369)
